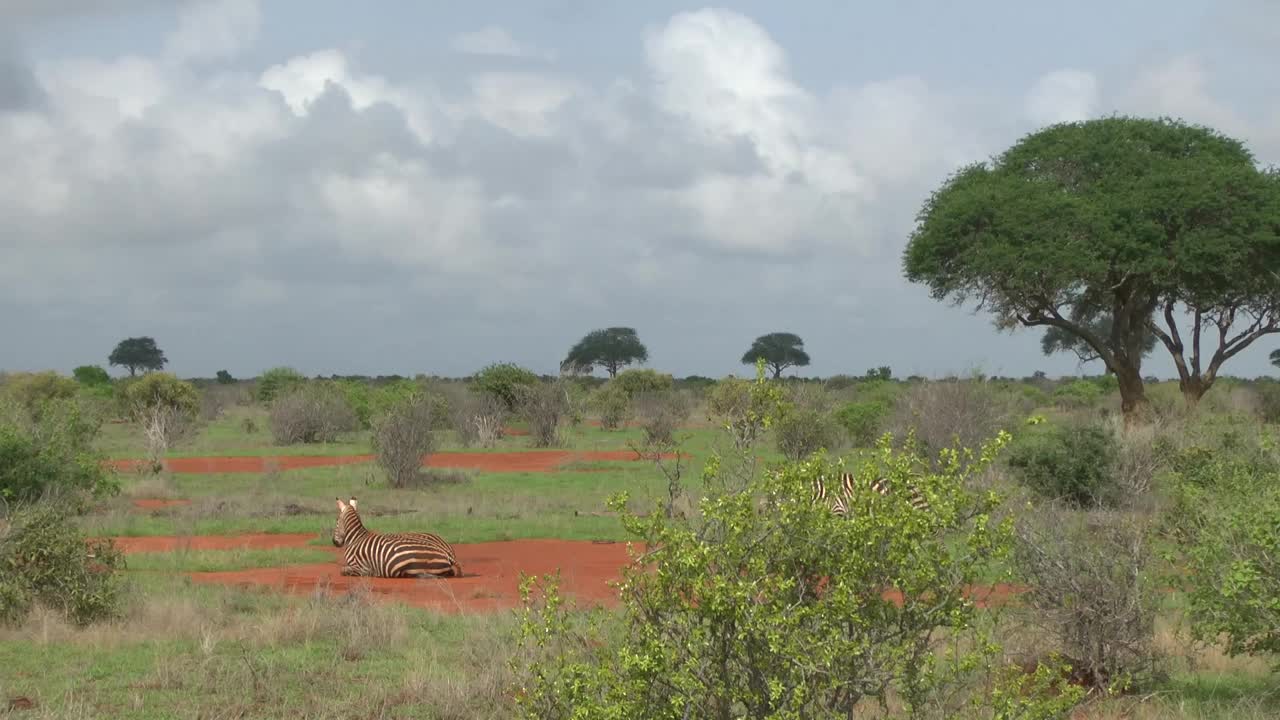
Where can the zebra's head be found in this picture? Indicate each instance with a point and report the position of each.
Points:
(347, 517)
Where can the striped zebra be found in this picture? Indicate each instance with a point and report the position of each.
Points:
(842, 500)
(390, 555)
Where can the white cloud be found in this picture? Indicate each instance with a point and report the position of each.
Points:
(213, 30)
(172, 187)
(1062, 96)
(494, 40)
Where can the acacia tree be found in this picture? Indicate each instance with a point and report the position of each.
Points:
(1132, 221)
(779, 350)
(611, 348)
(138, 353)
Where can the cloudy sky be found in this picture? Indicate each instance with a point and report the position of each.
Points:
(428, 187)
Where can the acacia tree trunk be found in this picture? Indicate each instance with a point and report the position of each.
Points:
(1133, 396)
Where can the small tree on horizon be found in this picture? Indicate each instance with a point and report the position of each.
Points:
(611, 348)
(137, 353)
(1127, 221)
(779, 350)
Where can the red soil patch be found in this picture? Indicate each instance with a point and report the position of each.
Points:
(248, 541)
(520, 461)
(158, 503)
(490, 581)
(491, 572)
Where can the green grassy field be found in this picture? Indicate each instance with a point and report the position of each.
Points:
(187, 650)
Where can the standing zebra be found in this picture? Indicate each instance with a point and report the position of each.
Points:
(390, 555)
(841, 501)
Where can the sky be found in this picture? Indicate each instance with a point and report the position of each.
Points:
(431, 187)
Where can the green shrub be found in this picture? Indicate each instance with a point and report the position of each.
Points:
(91, 375)
(277, 381)
(769, 606)
(1078, 393)
(503, 381)
(642, 380)
(1072, 463)
(35, 390)
(52, 457)
(544, 405)
(224, 378)
(741, 411)
(1225, 519)
(612, 404)
(45, 559)
(863, 421)
(802, 431)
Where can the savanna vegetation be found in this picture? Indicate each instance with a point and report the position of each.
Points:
(1094, 546)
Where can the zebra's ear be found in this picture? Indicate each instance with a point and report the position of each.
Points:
(341, 505)
(353, 502)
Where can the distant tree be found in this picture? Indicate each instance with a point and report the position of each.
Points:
(137, 353)
(1275, 357)
(1145, 219)
(91, 375)
(224, 378)
(779, 350)
(611, 348)
(884, 372)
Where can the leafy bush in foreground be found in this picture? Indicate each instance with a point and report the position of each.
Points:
(768, 605)
(51, 457)
(1226, 521)
(45, 559)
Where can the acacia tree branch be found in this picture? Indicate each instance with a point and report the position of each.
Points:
(1054, 318)
(1265, 322)
(1172, 341)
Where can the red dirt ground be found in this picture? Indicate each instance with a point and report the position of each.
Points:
(526, 461)
(490, 581)
(158, 503)
(491, 572)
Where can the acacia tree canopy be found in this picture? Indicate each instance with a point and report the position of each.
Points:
(780, 350)
(610, 348)
(1143, 221)
(138, 353)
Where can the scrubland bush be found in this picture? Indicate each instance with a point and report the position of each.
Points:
(503, 381)
(166, 409)
(402, 436)
(45, 559)
(740, 411)
(1225, 522)
(643, 380)
(943, 412)
(661, 412)
(544, 406)
(1088, 586)
(1073, 463)
(767, 605)
(91, 375)
(311, 413)
(612, 404)
(805, 424)
(477, 418)
(277, 381)
(33, 391)
(52, 457)
(863, 421)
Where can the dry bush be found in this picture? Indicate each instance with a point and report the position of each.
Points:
(612, 403)
(808, 424)
(311, 414)
(661, 413)
(477, 418)
(543, 405)
(216, 399)
(402, 438)
(945, 411)
(1088, 590)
